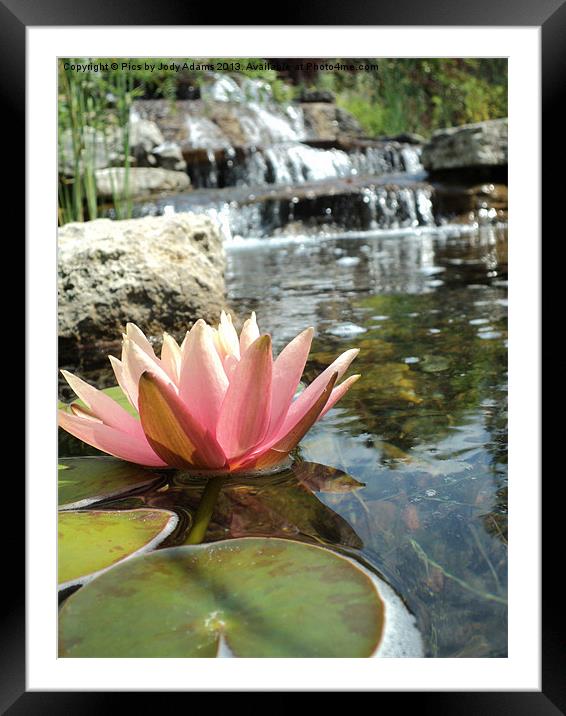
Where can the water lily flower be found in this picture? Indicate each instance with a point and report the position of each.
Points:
(218, 402)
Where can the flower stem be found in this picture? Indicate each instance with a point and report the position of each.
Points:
(205, 510)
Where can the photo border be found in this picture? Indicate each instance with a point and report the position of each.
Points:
(551, 17)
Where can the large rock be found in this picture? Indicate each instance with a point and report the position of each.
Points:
(144, 135)
(327, 121)
(162, 273)
(168, 156)
(472, 145)
(142, 181)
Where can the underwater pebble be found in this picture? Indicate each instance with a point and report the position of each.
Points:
(488, 335)
(411, 359)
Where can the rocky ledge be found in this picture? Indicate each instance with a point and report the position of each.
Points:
(469, 146)
(162, 273)
(139, 181)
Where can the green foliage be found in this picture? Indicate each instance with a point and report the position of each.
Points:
(421, 95)
(91, 105)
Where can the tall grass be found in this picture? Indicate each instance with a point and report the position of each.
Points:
(94, 114)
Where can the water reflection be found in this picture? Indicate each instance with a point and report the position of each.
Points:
(426, 428)
(281, 505)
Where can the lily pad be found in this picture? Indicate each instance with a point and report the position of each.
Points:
(86, 480)
(248, 597)
(92, 542)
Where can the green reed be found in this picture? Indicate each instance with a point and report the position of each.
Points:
(94, 113)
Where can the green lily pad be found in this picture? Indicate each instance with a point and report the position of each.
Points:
(92, 542)
(248, 597)
(86, 480)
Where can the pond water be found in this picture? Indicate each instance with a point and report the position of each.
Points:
(424, 430)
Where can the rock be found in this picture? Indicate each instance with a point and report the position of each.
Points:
(145, 135)
(472, 145)
(326, 121)
(142, 181)
(317, 96)
(168, 156)
(162, 273)
(404, 138)
(102, 149)
(99, 149)
(467, 201)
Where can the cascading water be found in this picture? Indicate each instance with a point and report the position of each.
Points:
(259, 169)
(293, 162)
(323, 209)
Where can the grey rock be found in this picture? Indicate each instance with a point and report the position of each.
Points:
(471, 145)
(97, 149)
(145, 135)
(162, 273)
(327, 121)
(142, 181)
(168, 156)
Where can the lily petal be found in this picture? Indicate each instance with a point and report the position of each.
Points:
(81, 412)
(139, 337)
(230, 363)
(171, 357)
(110, 440)
(172, 431)
(249, 333)
(244, 418)
(339, 392)
(228, 336)
(135, 362)
(287, 372)
(128, 388)
(203, 382)
(310, 393)
(273, 452)
(102, 406)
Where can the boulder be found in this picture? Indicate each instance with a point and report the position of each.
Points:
(162, 273)
(326, 121)
(472, 145)
(98, 149)
(145, 135)
(168, 156)
(142, 181)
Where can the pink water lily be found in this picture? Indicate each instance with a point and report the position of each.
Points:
(217, 402)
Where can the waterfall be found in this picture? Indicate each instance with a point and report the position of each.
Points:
(338, 210)
(293, 162)
(260, 170)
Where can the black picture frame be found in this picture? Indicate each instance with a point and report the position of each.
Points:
(550, 16)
